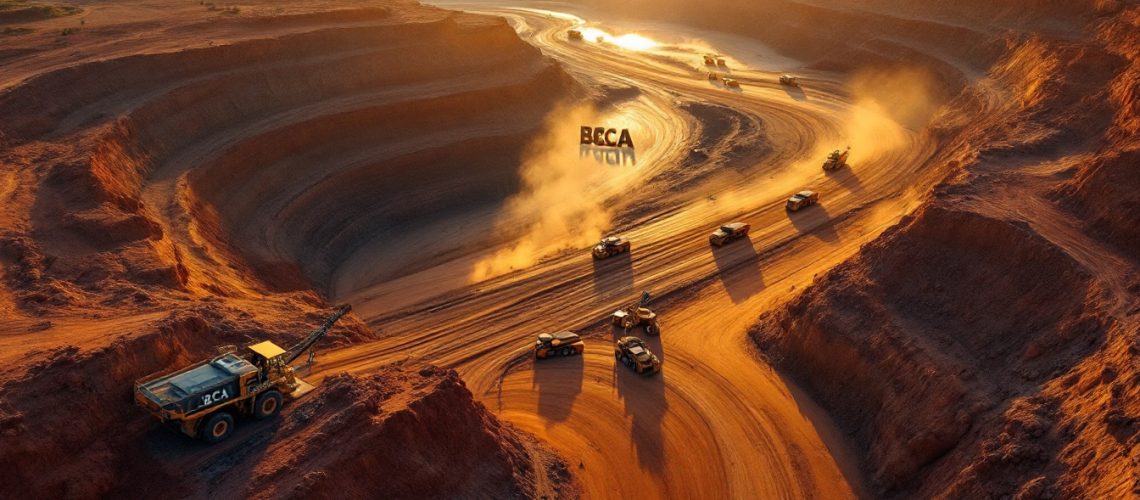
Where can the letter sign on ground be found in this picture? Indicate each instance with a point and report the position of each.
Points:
(601, 136)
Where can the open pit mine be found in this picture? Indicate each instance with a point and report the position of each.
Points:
(388, 249)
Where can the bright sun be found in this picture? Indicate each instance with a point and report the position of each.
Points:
(630, 41)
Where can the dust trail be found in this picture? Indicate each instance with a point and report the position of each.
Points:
(561, 204)
(888, 105)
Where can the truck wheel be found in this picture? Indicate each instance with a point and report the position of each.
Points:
(565, 351)
(651, 329)
(267, 404)
(626, 361)
(217, 427)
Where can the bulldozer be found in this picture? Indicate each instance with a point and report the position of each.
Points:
(836, 160)
(202, 400)
(637, 315)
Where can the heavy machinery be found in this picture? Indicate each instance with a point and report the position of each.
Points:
(721, 62)
(637, 315)
(634, 353)
(574, 34)
(731, 83)
(789, 80)
(713, 76)
(802, 199)
(729, 232)
(565, 343)
(836, 160)
(610, 246)
(202, 400)
(710, 60)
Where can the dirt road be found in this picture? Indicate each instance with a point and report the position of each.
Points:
(717, 422)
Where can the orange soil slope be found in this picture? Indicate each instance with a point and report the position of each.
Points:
(990, 344)
(133, 171)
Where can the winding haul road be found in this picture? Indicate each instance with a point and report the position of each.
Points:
(717, 422)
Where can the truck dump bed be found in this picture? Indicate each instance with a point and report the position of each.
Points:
(198, 386)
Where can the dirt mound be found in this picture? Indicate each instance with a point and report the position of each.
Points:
(404, 432)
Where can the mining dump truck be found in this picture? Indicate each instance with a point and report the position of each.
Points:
(565, 343)
(836, 160)
(729, 232)
(789, 80)
(610, 246)
(801, 200)
(637, 315)
(574, 34)
(202, 400)
(731, 83)
(710, 60)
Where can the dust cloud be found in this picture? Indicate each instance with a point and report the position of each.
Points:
(888, 105)
(560, 204)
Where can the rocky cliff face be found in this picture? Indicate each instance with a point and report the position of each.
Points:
(989, 344)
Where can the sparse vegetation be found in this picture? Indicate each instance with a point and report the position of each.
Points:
(230, 10)
(10, 31)
(18, 11)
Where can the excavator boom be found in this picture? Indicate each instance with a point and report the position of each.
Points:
(304, 345)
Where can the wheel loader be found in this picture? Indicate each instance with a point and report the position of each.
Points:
(203, 399)
(836, 160)
(637, 315)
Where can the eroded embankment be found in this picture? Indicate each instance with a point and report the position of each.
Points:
(68, 429)
(205, 181)
(988, 345)
(403, 432)
(216, 145)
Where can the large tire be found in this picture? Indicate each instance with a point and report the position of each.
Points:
(651, 329)
(626, 361)
(565, 351)
(267, 405)
(217, 427)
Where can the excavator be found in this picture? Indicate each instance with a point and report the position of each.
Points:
(637, 315)
(202, 399)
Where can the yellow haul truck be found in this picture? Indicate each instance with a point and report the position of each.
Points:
(202, 400)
